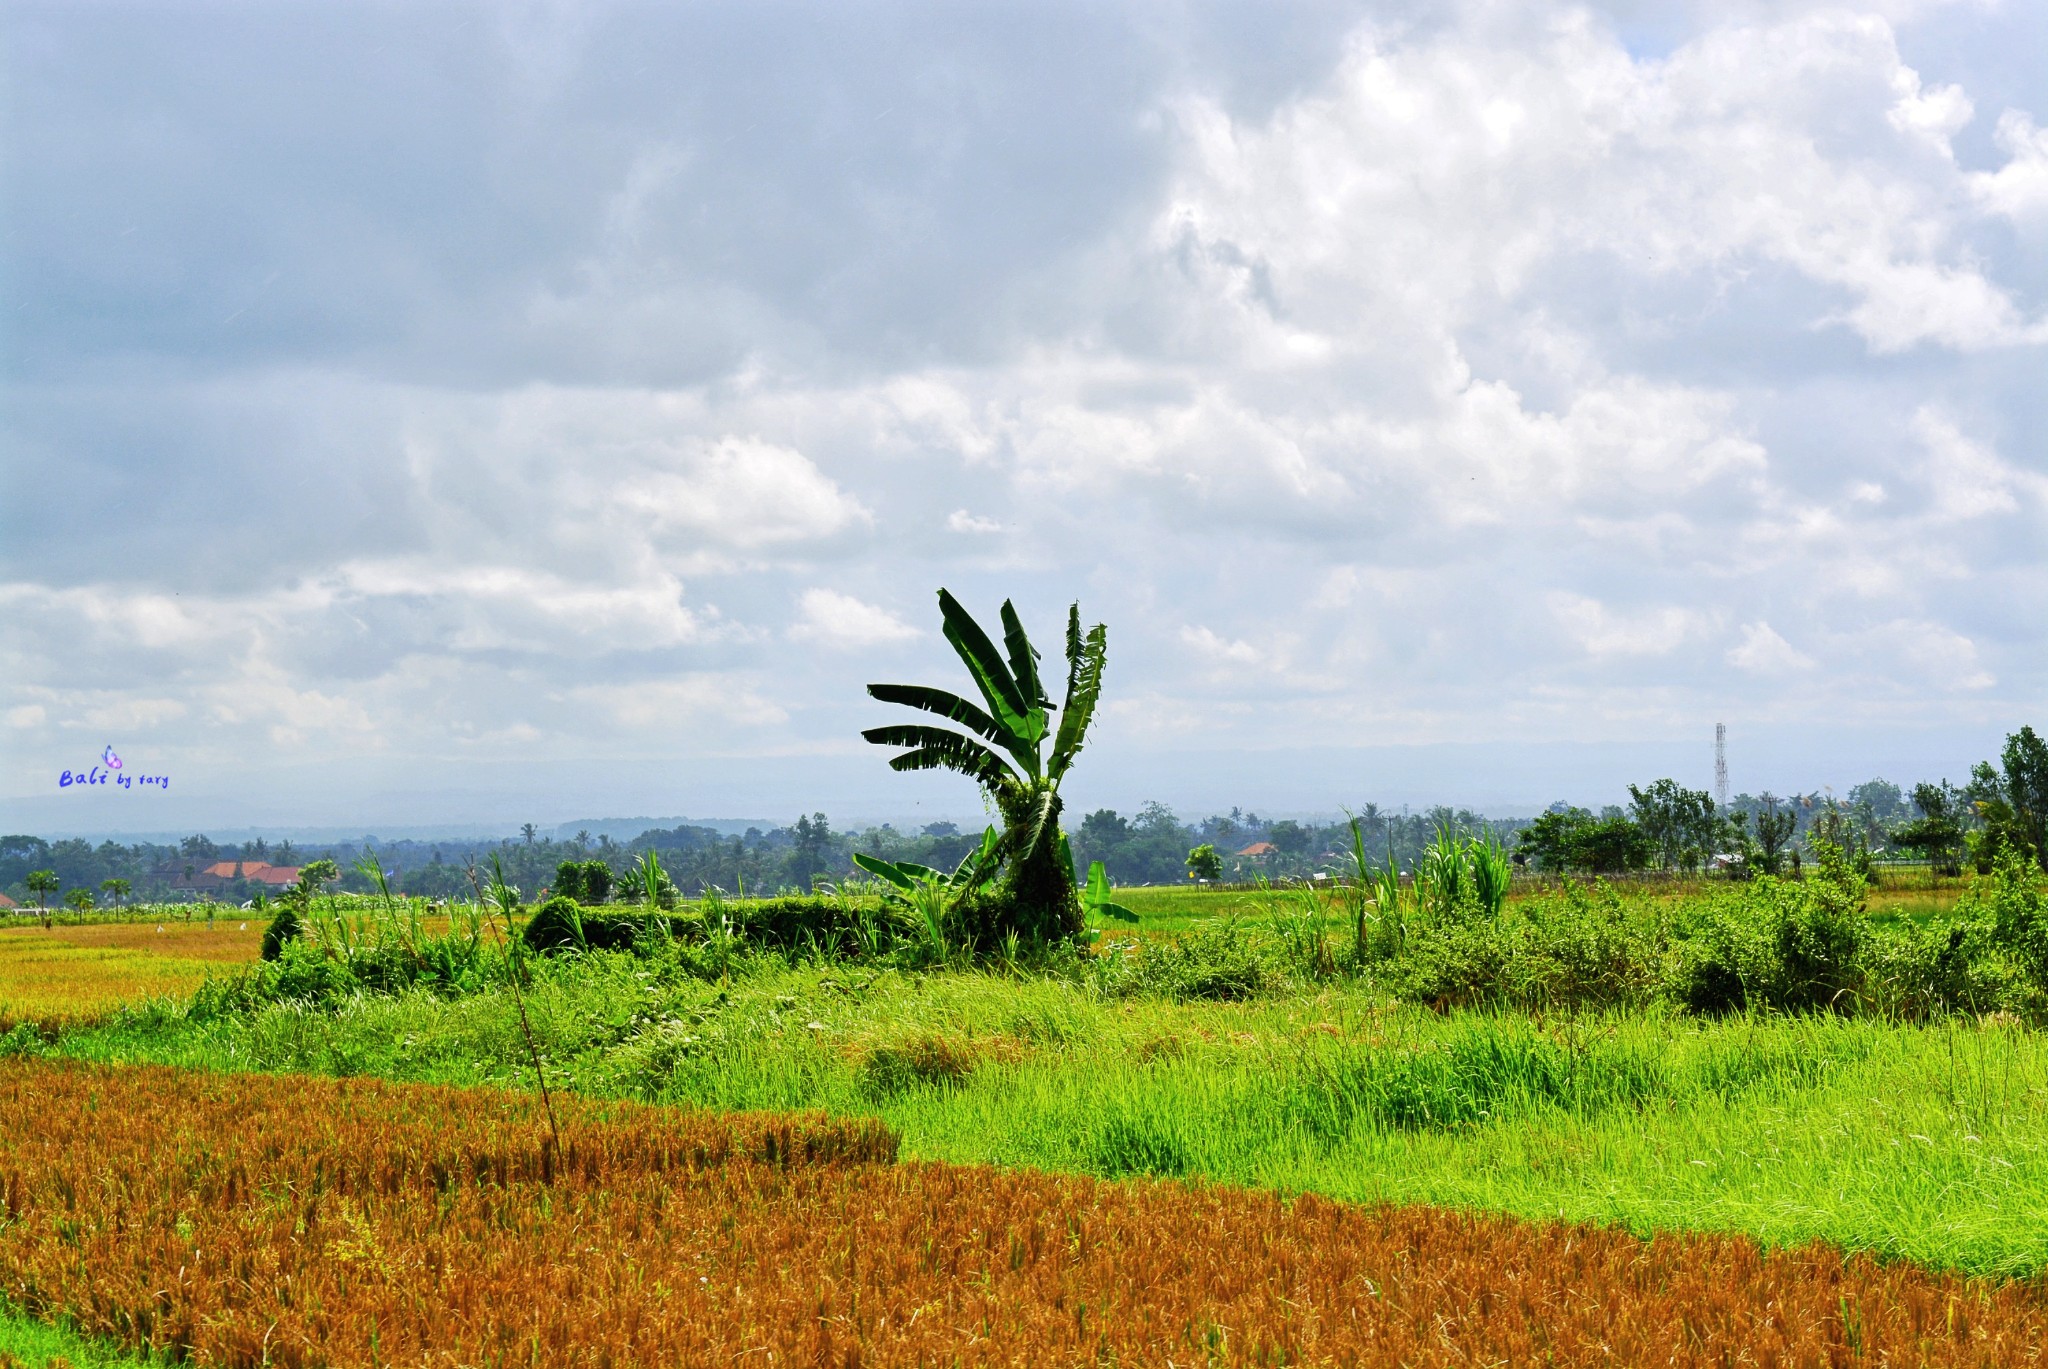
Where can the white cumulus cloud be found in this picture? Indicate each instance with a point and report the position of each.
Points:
(844, 623)
(1763, 652)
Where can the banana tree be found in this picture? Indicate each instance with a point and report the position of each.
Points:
(1011, 749)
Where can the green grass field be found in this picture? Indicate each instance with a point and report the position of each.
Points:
(28, 1342)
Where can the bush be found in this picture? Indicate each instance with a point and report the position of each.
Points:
(826, 926)
(1822, 934)
(586, 881)
(561, 924)
(831, 927)
(982, 919)
(1580, 953)
(1454, 964)
(303, 973)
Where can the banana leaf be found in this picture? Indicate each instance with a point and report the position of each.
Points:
(1006, 703)
(1095, 895)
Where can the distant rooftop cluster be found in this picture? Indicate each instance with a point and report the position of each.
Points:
(223, 873)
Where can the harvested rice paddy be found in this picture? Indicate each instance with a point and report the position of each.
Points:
(246, 1220)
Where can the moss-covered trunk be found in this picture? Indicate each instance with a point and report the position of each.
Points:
(1038, 880)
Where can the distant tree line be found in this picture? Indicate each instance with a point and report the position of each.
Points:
(1664, 826)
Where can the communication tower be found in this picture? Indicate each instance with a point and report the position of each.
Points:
(1721, 764)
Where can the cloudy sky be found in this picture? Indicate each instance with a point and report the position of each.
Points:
(482, 413)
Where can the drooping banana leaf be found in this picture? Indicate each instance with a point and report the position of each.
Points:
(934, 748)
(883, 869)
(1045, 796)
(993, 775)
(944, 704)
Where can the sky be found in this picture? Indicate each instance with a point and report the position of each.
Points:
(471, 414)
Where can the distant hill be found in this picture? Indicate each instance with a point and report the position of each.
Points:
(625, 829)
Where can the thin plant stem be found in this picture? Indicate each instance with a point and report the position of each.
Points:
(505, 898)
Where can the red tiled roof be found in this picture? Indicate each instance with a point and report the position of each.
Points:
(1260, 848)
(261, 871)
(6, 902)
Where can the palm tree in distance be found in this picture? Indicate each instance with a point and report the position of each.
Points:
(1004, 750)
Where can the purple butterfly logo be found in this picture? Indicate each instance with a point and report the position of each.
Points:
(112, 761)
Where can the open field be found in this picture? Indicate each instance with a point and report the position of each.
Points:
(1244, 1074)
(361, 1223)
(1928, 1143)
(76, 973)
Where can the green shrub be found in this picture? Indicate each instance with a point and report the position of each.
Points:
(586, 881)
(984, 918)
(1822, 934)
(2017, 913)
(1583, 953)
(561, 924)
(1794, 945)
(801, 922)
(302, 973)
(1917, 974)
(1717, 963)
(1452, 964)
(827, 927)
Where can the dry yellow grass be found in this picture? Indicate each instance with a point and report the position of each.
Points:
(73, 974)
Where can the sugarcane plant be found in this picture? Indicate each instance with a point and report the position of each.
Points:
(1005, 750)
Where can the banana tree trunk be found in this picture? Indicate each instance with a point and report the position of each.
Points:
(1048, 907)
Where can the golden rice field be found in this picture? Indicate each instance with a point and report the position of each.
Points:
(68, 974)
(242, 1220)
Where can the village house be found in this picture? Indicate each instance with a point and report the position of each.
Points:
(223, 873)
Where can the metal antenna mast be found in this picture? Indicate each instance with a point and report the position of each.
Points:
(1721, 764)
